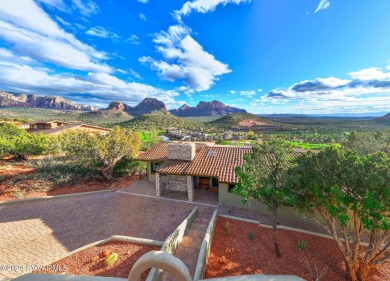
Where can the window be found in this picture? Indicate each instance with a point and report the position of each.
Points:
(231, 187)
(214, 182)
(155, 166)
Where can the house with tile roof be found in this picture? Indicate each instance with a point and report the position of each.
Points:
(181, 166)
(56, 127)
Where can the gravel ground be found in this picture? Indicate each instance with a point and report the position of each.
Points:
(91, 261)
(238, 255)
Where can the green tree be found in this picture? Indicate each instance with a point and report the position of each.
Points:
(19, 144)
(351, 195)
(78, 146)
(112, 147)
(263, 178)
(367, 143)
(100, 151)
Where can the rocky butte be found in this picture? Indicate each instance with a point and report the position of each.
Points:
(148, 105)
(214, 108)
(53, 102)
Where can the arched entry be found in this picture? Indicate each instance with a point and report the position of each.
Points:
(160, 260)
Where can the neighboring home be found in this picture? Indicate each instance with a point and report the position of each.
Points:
(56, 127)
(184, 166)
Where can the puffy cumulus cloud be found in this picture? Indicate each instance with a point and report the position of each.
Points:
(33, 33)
(323, 5)
(370, 74)
(204, 6)
(184, 58)
(95, 87)
(369, 88)
(319, 84)
(101, 32)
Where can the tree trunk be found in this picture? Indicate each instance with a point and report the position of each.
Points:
(107, 172)
(363, 272)
(351, 271)
(275, 232)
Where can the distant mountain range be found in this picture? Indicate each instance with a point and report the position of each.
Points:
(26, 100)
(148, 105)
(385, 118)
(214, 108)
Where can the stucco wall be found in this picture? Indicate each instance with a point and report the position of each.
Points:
(152, 176)
(177, 183)
(286, 214)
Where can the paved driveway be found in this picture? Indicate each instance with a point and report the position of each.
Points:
(37, 233)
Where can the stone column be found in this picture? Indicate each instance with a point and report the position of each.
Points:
(190, 186)
(158, 184)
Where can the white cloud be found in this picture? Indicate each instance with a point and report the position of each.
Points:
(101, 32)
(58, 4)
(370, 74)
(142, 17)
(204, 6)
(62, 21)
(368, 88)
(323, 5)
(10, 57)
(86, 7)
(100, 87)
(232, 92)
(133, 39)
(33, 33)
(248, 94)
(184, 58)
(134, 73)
(143, 1)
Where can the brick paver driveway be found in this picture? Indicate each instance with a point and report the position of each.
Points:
(37, 233)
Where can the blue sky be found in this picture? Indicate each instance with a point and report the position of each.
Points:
(267, 56)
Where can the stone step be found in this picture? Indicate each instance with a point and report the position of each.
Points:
(58, 277)
(191, 241)
(202, 220)
(199, 226)
(195, 233)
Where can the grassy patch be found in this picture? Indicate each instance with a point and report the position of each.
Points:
(310, 145)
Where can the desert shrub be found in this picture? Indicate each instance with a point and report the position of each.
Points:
(61, 172)
(100, 152)
(302, 245)
(50, 173)
(227, 229)
(129, 166)
(17, 143)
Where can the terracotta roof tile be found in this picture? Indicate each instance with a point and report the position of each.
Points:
(159, 152)
(218, 161)
(210, 161)
(175, 167)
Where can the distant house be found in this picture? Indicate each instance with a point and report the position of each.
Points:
(186, 166)
(56, 127)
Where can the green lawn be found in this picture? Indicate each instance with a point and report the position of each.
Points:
(240, 142)
(147, 136)
(310, 145)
